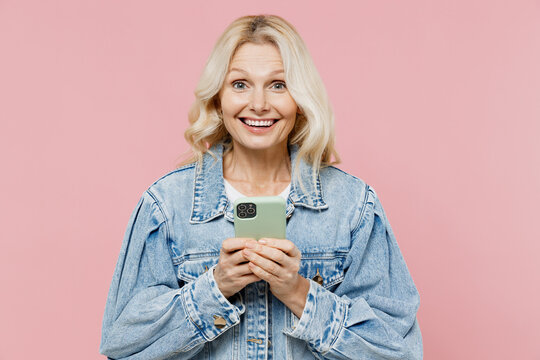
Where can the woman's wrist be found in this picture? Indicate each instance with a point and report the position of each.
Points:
(218, 283)
(296, 299)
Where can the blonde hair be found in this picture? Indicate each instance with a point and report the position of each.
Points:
(314, 127)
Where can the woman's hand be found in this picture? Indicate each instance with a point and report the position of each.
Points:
(232, 272)
(277, 261)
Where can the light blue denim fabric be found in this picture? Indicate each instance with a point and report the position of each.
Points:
(163, 299)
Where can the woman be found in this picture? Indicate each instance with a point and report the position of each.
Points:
(184, 287)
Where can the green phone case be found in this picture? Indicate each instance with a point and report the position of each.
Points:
(269, 220)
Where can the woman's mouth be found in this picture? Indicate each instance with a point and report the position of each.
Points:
(258, 123)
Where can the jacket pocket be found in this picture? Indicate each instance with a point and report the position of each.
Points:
(325, 268)
(190, 266)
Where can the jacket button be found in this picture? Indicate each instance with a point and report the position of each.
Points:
(219, 322)
(318, 278)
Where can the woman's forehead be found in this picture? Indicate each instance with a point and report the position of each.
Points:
(263, 59)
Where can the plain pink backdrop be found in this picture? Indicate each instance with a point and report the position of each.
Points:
(437, 107)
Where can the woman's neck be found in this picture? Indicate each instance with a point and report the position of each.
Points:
(258, 172)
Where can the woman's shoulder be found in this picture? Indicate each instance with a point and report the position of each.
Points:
(340, 185)
(346, 187)
(334, 171)
(333, 177)
(342, 190)
(178, 181)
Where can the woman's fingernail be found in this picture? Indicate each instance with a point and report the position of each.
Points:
(262, 241)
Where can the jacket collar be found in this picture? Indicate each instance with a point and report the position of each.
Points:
(210, 200)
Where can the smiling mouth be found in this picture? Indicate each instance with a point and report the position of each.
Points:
(258, 123)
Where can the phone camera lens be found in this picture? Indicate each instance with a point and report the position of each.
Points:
(246, 210)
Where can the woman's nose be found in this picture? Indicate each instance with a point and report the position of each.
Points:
(258, 101)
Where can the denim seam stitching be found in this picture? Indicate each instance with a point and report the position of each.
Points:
(168, 232)
(178, 260)
(362, 212)
(195, 198)
(337, 281)
(165, 218)
(324, 255)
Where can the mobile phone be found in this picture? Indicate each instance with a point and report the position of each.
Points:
(260, 216)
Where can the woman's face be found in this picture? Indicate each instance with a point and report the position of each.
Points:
(258, 110)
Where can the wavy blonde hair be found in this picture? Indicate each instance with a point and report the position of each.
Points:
(314, 127)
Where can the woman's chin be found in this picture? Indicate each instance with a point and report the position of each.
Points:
(260, 144)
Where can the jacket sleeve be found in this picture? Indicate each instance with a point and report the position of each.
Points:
(372, 314)
(149, 314)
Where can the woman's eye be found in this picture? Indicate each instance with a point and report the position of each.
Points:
(238, 83)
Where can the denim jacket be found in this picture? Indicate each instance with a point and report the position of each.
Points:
(164, 302)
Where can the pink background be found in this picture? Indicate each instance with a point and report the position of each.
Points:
(437, 106)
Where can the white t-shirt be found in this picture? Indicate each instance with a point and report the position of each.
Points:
(234, 194)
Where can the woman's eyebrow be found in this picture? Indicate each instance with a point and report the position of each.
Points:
(245, 72)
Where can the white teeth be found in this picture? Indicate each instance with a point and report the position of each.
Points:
(259, 122)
